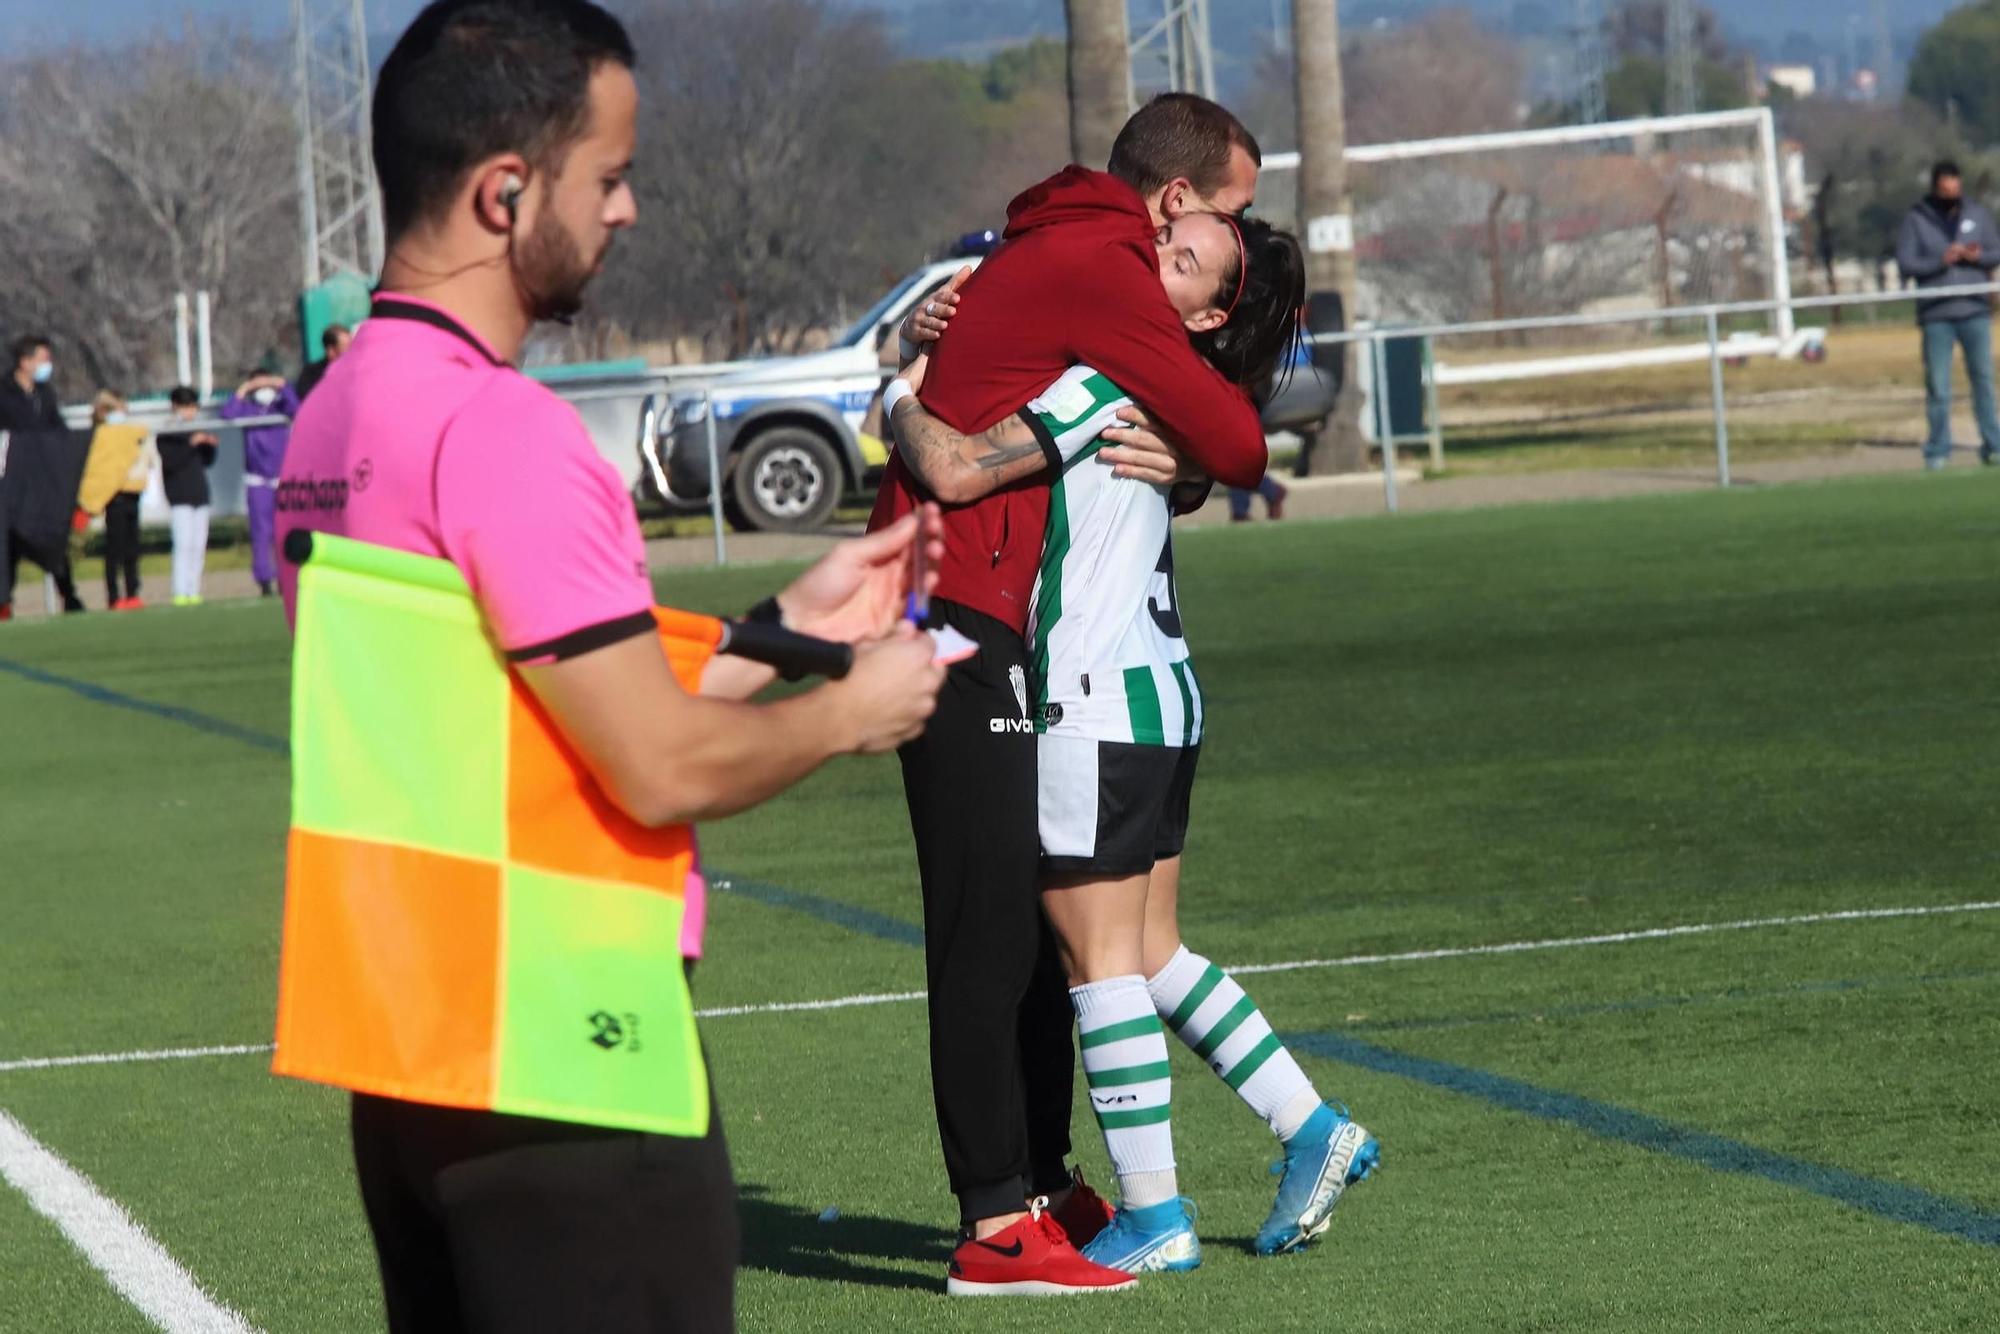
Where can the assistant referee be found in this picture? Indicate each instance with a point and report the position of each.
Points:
(503, 132)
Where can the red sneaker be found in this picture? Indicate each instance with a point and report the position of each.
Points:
(6, 611)
(1085, 1213)
(1033, 1257)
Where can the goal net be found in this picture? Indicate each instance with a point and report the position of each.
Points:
(1672, 212)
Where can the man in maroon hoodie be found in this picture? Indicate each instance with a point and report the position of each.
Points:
(1075, 281)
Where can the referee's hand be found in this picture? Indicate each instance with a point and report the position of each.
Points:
(889, 694)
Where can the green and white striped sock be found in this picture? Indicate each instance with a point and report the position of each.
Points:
(1225, 1028)
(1125, 1063)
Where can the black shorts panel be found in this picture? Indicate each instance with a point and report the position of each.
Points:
(1112, 808)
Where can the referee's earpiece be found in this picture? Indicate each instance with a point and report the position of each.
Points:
(511, 187)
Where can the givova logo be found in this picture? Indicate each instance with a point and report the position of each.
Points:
(1018, 679)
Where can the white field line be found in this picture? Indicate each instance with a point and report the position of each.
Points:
(129, 1057)
(786, 1007)
(1294, 966)
(1617, 937)
(136, 1265)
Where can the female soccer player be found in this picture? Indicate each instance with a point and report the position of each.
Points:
(1119, 715)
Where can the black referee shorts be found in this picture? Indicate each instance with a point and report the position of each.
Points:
(491, 1224)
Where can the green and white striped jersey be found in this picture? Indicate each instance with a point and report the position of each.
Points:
(1104, 629)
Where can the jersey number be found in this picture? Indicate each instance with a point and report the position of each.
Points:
(1168, 618)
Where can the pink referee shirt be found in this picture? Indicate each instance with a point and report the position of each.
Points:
(421, 439)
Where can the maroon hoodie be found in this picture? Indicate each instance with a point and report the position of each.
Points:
(1077, 280)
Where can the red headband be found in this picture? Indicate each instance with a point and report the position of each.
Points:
(1242, 266)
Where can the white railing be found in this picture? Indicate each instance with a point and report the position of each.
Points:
(656, 403)
(1710, 316)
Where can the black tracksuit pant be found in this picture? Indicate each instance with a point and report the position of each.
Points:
(121, 546)
(1001, 1061)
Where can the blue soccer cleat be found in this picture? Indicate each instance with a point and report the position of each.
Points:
(1329, 1154)
(1159, 1237)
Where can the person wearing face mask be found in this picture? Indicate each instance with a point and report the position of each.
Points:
(41, 463)
(121, 460)
(1949, 241)
(264, 394)
(185, 458)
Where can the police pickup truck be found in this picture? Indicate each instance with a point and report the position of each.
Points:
(787, 431)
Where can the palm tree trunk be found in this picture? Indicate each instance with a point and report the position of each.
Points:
(1326, 211)
(1100, 77)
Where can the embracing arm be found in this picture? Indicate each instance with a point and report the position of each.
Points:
(1144, 350)
(956, 467)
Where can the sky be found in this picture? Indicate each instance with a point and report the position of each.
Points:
(38, 24)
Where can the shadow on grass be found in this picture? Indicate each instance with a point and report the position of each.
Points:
(786, 1239)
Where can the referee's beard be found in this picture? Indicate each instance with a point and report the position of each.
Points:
(552, 271)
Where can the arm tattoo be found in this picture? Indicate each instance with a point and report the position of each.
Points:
(946, 460)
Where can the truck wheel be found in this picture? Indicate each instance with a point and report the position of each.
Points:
(786, 480)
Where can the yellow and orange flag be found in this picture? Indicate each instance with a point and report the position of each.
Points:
(468, 920)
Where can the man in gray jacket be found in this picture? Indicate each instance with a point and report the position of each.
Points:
(1948, 241)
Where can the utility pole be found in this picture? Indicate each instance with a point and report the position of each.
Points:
(1683, 90)
(340, 210)
(1589, 37)
(1100, 78)
(1326, 209)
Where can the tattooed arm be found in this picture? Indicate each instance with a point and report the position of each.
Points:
(956, 467)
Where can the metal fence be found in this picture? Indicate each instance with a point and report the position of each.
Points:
(628, 436)
(1715, 349)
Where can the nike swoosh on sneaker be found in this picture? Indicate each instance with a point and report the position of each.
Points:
(1009, 1251)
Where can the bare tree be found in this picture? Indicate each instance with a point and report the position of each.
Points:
(175, 176)
(1442, 75)
(790, 167)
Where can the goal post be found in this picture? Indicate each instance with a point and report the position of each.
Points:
(1655, 214)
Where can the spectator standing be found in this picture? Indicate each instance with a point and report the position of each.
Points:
(264, 394)
(114, 477)
(1948, 241)
(31, 415)
(333, 342)
(185, 458)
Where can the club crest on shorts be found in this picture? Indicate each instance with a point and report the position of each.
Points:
(1019, 680)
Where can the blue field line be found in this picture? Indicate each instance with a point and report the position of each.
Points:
(199, 721)
(1884, 1199)
(860, 920)
(864, 921)
(1644, 1003)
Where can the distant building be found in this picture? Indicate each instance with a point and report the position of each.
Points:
(1800, 81)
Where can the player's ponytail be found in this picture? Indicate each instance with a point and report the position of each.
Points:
(1253, 347)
